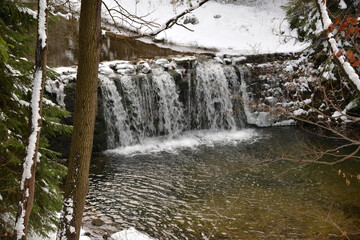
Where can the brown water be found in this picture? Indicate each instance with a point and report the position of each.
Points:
(219, 191)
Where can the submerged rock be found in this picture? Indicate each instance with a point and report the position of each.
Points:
(97, 222)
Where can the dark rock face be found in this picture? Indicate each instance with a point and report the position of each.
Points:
(100, 129)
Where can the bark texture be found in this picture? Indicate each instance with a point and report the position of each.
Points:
(27, 188)
(77, 181)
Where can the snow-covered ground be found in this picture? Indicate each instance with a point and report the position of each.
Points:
(230, 28)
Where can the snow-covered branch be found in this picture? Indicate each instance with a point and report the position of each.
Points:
(135, 23)
(28, 177)
(172, 21)
(345, 65)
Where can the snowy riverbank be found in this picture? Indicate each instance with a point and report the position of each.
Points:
(249, 27)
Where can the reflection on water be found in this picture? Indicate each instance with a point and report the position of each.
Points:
(214, 191)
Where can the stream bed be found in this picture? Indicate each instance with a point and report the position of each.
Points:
(216, 185)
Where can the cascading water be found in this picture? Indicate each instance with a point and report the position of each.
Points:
(170, 110)
(117, 124)
(167, 102)
(162, 99)
(214, 105)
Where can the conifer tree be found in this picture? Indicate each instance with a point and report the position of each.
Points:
(27, 184)
(16, 74)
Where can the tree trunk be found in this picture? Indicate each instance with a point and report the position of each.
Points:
(84, 120)
(27, 185)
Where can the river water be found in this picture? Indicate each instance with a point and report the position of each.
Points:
(208, 185)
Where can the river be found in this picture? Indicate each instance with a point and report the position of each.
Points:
(207, 185)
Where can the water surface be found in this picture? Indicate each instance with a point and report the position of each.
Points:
(215, 188)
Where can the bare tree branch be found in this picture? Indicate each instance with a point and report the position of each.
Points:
(132, 20)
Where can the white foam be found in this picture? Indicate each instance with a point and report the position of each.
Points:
(188, 140)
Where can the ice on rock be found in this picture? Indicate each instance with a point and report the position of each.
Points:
(105, 69)
(143, 67)
(161, 61)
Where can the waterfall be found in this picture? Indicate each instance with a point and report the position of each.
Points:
(162, 99)
(214, 107)
(169, 100)
(165, 99)
(170, 110)
(136, 107)
(117, 124)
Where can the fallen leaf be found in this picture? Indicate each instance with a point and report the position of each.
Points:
(339, 54)
(347, 182)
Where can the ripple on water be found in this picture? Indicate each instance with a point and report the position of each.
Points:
(211, 191)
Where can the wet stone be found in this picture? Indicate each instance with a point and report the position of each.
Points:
(97, 222)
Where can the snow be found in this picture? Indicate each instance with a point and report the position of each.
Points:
(299, 112)
(35, 127)
(49, 102)
(351, 73)
(31, 148)
(342, 4)
(28, 11)
(240, 29)
(161, 62)
(57, 86)
(130, 234)
(349, 70)
(307, 101)
(351, 105)
(285, 123)
(13, 71)
(324, 14)
(19, 226)
(66, 16)
(336, 114)
(42, 22)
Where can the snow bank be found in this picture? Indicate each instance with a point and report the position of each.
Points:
(232, 28)
(130, 234)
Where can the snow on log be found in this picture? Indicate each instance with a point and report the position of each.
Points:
(348, 69)
(28, 176)
(35, 128)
